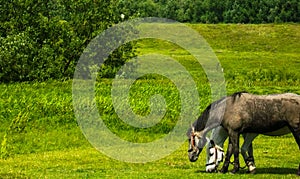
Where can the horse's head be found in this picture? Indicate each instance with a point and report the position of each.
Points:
(216, 155)
(197, 139)
(196, 144)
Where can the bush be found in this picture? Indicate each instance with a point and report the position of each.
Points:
(44, 40)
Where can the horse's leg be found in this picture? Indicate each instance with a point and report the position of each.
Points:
(297, 138)
(234, 137)
(250, 160)
(227, 157)
(247, 148)
(296, 134)
(233, 148)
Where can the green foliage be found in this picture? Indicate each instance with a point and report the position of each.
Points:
(137, 8)
(211, 11)
(42, 40)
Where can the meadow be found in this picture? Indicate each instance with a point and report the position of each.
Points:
(40, 137)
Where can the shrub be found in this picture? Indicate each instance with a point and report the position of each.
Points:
(44, 40)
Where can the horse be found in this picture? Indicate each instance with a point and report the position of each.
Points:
(215, 148)
(243, 112)
(218, 137)
(216, 156)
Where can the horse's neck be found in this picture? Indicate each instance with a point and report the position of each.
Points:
(215, 117)
(202, 120)
(209, 127)
(211, 117)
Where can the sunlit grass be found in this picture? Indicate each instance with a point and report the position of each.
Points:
(275, 157)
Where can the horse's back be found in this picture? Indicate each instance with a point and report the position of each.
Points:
(263, 113)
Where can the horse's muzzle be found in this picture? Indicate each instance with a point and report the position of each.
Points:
(193, 158)
(194, 155)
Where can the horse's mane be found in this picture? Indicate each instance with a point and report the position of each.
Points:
(202, 120)
(200, 123)
(237, 94)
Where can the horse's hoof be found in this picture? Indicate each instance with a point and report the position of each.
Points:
(252, 171)
(224, 170)
(212, 171)
(233, 171)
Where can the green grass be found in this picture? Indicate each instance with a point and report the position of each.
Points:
(272, 159)
(40, 138)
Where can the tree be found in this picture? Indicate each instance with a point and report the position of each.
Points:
(43, 40)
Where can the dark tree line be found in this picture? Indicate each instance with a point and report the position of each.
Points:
(216, 11)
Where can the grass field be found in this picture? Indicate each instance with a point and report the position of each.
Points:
(40, 137)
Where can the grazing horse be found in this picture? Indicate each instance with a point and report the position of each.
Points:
(246, 113)
(219, 135)
(216, 155)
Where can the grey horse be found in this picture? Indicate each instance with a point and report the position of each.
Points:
(219, 135)
(246, 113)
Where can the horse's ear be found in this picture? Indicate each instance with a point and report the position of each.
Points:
(212, 143)
(193, 129)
